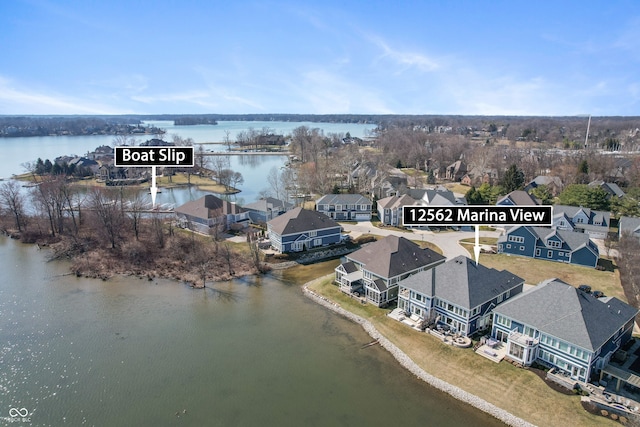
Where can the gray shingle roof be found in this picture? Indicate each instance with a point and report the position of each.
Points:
(343, 199)
(629, 225)
(299, 220)
(593, 215)
(394, 202)
(520, 198)
(266, 204)
(393, 256)
(558, 309)
(349, 267)
(209, 206)
(460, 281)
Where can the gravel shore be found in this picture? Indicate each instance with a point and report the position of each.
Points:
(409, 364)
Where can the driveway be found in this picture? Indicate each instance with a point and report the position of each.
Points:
(446, 240)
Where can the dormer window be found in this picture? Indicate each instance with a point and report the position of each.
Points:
(553, 244)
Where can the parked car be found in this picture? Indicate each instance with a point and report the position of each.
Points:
(585, 288)
(597, 294)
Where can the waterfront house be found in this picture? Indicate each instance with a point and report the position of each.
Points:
(210, 214)
(517, 198)
(376, 269)
(301, 229)
(459, 294)
(266, 209)
(563, 327)
(582, 220)
(345, 207)
(549, 244)
(629, 226)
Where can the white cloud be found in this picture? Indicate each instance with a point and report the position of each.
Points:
(326, 92)
(17, 100)
(406, 59)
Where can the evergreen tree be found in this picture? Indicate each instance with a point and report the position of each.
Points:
(513, 179)
(48, 166)
(542, 192)
(585, 196)
(431, 179)
(582, 176)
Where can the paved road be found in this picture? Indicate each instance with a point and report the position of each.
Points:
(447, 241)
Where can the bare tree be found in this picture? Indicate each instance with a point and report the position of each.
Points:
(157, 230)
(220, 163)
(273, 178)
(108, 212)
(226, 139)
(236, 179)
(13, 201)
(124, 139)
(135, 212)
(254, 250)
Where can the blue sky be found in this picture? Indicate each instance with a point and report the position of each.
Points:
(376, 57)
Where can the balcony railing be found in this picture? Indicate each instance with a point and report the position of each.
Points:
(522, 339)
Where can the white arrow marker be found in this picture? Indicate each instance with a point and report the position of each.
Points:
(476, 248)
(154, 189)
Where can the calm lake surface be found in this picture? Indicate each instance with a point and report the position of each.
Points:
(248, 352)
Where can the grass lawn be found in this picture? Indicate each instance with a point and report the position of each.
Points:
(483, 241)
(178, 180)
(518, 391)
(534, 271)
(456, 187)
(429, 245)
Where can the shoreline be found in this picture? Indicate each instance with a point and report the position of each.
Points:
(407, 363)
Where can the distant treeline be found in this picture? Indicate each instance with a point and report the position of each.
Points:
(15, 126)
(609, 131)
(194, 120)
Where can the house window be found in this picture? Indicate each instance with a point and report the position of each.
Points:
(508, 246)
(500, 298)
(338, 207)
(529, 331)
(517, 239)
(501, 320)
(579, 220)
(296, 246)
(553, 243)
(549, 254)
(317, 242)
(537, 252)
(313, 233)
(516, 351)
(521, 248)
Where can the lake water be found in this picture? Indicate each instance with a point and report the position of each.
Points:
(243, 353)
